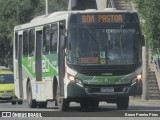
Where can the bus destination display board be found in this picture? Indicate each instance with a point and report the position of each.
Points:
(102, 18)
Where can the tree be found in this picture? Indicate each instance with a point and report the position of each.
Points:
(15, 12)
(12, 12)
(149, 10)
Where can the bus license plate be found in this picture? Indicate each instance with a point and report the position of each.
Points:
(107, 90)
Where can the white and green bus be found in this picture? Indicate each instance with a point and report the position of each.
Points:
(78, 56)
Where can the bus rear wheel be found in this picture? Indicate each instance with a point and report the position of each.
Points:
(42, 104)
(31, 103)
(122, 103)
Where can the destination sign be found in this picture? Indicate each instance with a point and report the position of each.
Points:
(103, 18)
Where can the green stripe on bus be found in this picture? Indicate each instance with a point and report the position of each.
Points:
(29, 64)
(99, 80)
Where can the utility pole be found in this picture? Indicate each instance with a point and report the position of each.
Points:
(144, 73)
(46, 6)
(82, 4)
(101, 4)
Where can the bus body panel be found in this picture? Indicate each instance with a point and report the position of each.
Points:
(49, 68)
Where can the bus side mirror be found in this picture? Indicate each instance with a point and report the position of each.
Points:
(143, 40)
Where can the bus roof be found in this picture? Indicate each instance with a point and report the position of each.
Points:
(61, 15)
(52, 15)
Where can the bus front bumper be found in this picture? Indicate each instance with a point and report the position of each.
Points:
(102, 92)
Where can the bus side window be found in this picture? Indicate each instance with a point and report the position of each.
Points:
(25, 43)
(46, 40)
(54, 38)
(31, 42)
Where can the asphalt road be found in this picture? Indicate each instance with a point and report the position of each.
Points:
(104, 110)
(133, 105)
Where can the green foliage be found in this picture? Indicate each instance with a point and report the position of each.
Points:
(15, 12)
(53, 6)
(12, 12)
(149, 9)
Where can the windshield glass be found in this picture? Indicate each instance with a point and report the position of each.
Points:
(103, 46)
(6, 78)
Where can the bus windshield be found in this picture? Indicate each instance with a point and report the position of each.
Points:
(6, 78)
(103, 46)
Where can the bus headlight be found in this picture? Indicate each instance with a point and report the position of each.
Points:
(139, 77)
(75, 80)
(71, 78)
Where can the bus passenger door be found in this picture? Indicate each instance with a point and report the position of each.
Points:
(19, 53)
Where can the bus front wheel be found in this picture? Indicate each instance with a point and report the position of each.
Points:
(122, 103)
(91, 105)
(61, 103)
(31, 103)
(64, 104)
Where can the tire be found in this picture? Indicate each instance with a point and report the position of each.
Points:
(84, 106)
(61, 103)
(31, 103)
(94, 104)
(91, 105)
(13, 103)
(20, 102)
(42, 104)
(122, 103)
(64, 104)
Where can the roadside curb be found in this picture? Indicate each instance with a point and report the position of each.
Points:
(138, 100)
